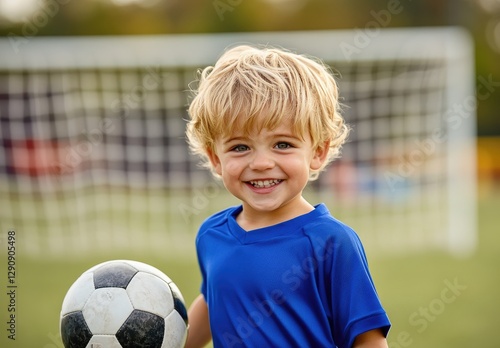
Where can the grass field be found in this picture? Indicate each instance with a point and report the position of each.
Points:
(434, 300)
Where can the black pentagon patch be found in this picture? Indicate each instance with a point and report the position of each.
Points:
(141, 329)
(180, 307)
(114, 275)
(74, 330)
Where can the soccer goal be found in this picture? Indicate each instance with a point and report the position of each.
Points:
(94, 157)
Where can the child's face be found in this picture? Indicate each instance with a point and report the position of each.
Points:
(268, 170)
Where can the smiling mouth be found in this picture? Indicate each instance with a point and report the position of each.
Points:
(264, 183)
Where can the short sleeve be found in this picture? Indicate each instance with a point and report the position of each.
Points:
(355, 307)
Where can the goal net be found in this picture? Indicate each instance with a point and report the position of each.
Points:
(94, 159)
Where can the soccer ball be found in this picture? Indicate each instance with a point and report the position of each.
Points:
(123, 303)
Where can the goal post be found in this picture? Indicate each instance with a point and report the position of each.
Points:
(94, 154)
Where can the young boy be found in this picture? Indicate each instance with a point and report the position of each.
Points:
(276, 270)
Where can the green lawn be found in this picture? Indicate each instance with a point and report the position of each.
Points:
(436, 300)
(433, 299)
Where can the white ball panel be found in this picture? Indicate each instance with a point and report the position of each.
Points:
(149, 293)
(143, 267)
(103, 341)
(176, 290)
(106, 310)
(78, 294)
(175, 331)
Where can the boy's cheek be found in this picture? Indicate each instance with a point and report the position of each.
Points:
(231, 169)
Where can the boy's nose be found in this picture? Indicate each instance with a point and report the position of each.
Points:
(261, 161)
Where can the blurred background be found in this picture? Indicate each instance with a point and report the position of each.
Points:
(94, 165)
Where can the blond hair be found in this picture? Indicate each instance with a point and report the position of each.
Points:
(252, 88)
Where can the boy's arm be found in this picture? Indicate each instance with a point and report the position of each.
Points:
(199, 327)
(370, 339)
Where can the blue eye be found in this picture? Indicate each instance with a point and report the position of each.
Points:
(239, 148)
(283, 145)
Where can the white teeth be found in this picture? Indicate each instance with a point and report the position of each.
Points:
(264, 183)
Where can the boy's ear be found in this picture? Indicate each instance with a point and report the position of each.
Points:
(214, 160)
(320, 155)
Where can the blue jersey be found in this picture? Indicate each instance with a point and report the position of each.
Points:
(301, 283)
